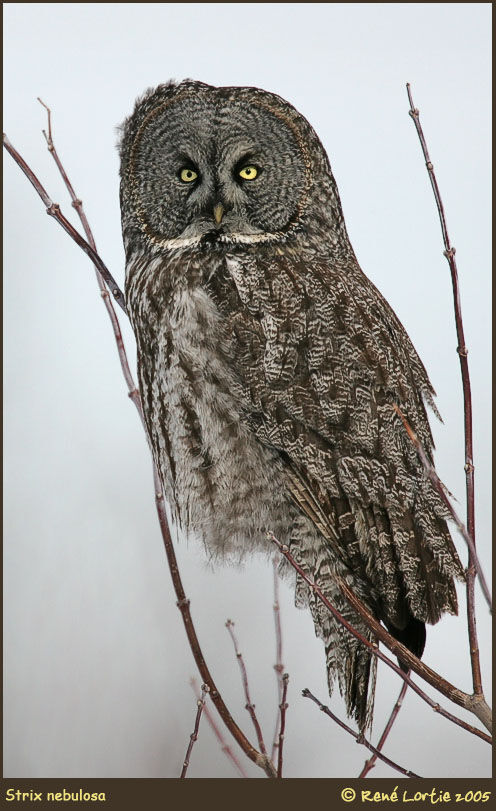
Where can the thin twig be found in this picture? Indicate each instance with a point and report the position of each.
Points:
(370, 763)
(283, 706)
(434, 478)
(194, 735)
(133, 392)
(278, 667)
(218, 734)
(359, 738)
(449, 253)
(77, 204)
(475, 704)
(53, 209)
(244, 677)
(259, 759)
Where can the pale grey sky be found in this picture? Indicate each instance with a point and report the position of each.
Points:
(97, 664)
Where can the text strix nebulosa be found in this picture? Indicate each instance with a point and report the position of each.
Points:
(269, 365)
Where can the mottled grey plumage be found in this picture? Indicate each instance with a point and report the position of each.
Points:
(269, 365)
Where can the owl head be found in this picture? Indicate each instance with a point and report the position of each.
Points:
(222, 166)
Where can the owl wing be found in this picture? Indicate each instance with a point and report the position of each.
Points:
(323, 359)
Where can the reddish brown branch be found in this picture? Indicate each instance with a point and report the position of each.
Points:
(449, 253)
(278, 667)
(194, 735)
(244, 677)
(218, 734)
(283, 706)
(53, 209)
(261, 760)
(77, 204)
(475, 704)
(370, 763)
(358, 738)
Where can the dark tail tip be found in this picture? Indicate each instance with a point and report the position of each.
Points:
(412, 636)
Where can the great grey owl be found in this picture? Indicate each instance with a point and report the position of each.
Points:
(269, 365)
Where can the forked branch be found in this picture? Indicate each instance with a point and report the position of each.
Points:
(53, 209)
(244, 677)
(449, 253)
(77, 204)
(475, 704)
(261, 760)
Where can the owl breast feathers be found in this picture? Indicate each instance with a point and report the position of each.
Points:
(269, 366)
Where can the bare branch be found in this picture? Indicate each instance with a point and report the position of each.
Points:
(358, 738)
(449, 253)
(475, 704)
(278, 667)
(244, 676)
(53, 209)
(194, 734)
(78, 205)
(369, 764)
(218, 734)
(183, 603)
(283, 706)
(260, 759)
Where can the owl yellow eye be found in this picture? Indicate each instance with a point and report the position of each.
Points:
(188, 175)
(248, 172)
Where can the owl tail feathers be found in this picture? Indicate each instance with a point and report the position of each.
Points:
(348, 660)
(356, 671)
(356, 676)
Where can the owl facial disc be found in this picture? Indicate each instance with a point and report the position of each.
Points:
(206, 161)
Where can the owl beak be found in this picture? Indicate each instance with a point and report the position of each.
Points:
(218, 213)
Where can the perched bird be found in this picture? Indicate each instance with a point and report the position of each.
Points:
(269, 367)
